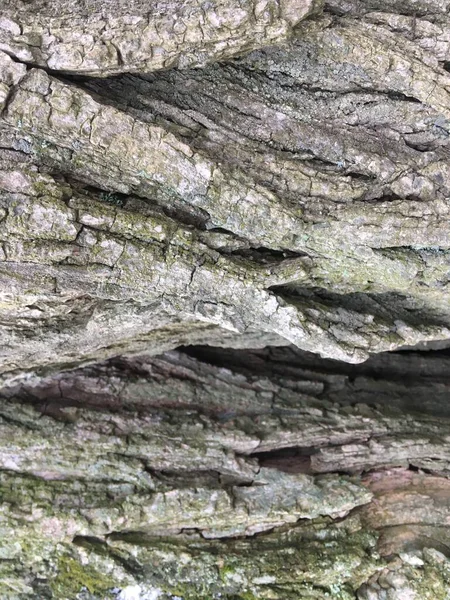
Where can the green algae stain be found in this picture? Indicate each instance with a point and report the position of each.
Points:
(73, 577)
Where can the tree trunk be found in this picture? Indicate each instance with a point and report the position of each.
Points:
(225, 308)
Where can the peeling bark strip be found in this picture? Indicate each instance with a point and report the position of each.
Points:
(172, 241)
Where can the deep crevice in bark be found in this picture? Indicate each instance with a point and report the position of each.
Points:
(178, 246)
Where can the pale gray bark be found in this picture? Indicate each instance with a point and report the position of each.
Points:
(115, 36)
(274, 473)
(287, 199)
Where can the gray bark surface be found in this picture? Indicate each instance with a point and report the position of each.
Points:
(224, 300)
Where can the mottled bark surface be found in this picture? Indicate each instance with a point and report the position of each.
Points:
(224, 300)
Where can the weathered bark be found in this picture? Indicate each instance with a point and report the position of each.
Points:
(276, 477)
(116, 36)
(292, 199)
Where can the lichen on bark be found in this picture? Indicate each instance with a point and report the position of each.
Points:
(224, 300)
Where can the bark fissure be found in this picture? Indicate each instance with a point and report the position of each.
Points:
(197, 199)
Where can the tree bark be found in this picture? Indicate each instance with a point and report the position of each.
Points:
(224, 301)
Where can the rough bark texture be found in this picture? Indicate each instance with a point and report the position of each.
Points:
(208, 211)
